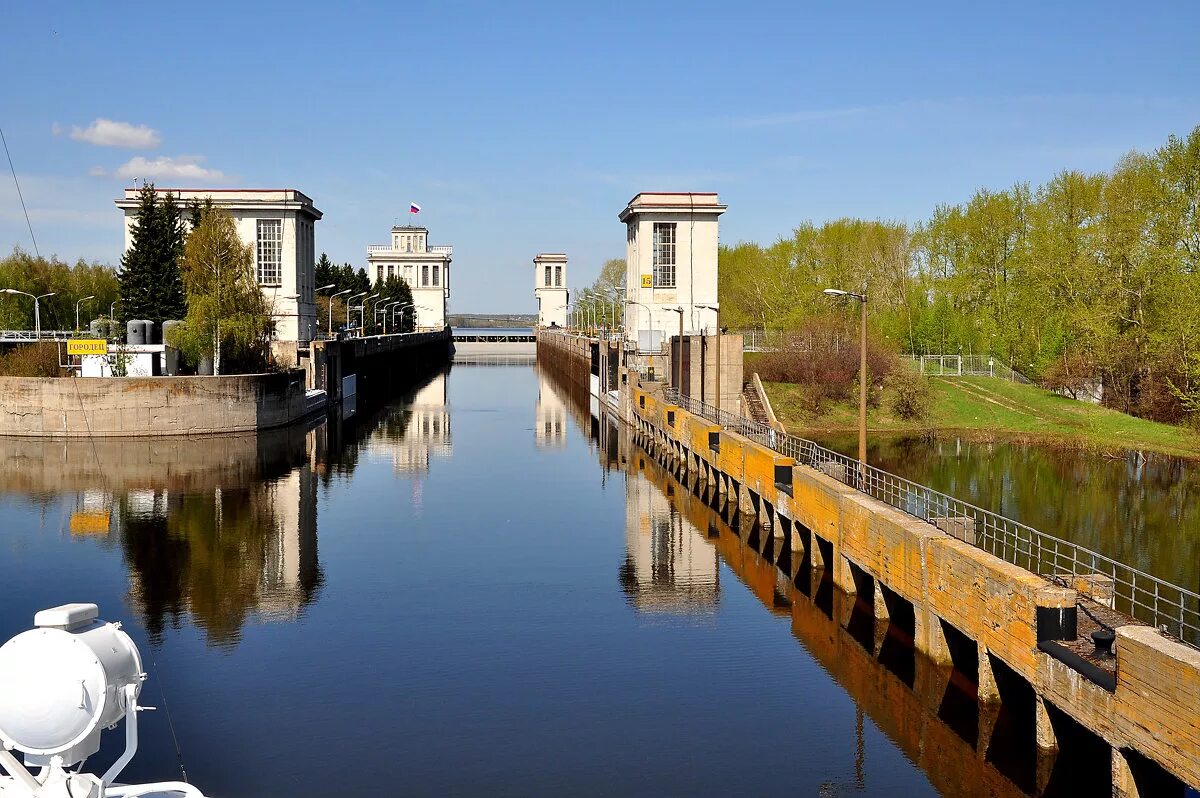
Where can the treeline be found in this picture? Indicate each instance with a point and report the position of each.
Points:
(69, 283)
(1087, 277)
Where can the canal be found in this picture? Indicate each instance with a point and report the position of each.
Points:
(475, 587)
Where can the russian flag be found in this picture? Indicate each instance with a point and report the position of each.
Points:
(414, 207)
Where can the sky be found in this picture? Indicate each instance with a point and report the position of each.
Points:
(526, 127)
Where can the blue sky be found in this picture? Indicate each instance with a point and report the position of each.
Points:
(525, 127)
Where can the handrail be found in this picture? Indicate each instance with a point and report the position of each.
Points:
(1170, 608)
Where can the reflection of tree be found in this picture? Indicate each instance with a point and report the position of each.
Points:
(223, 555)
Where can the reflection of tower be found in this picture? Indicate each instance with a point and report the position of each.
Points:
(669, 566)
(427, 433)
(291, 572)
(549, 416)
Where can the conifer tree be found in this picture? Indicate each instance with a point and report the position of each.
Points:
(151, 285)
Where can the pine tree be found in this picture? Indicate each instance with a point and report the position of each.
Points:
(151, 285)
(326, 273)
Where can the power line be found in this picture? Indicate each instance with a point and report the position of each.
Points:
(19, 195)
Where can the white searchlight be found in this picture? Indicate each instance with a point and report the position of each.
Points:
(61, 685)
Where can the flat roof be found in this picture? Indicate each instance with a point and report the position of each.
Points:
(234, 198)
(677, 201)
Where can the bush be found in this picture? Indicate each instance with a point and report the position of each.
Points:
(32, 360)
(910, 395)
(822, 358)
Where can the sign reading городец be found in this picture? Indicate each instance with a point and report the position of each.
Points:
(87, 346)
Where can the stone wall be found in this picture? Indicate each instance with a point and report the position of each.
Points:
(150, 406)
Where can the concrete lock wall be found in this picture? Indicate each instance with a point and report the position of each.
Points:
(157, 406)
(1155, 707)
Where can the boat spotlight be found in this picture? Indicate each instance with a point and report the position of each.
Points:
(61, 684)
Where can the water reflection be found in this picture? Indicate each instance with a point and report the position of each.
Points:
(669, 567)
(549, 415)
(1137, 508)
(417, 430)
(216, 532)
(679, 536)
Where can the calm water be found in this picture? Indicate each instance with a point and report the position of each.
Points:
(476, 588)
(1140, 509)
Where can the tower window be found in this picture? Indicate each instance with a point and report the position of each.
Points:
(269, 251)
(547, 281)
(435, 274)
(425, 275)
(558, 276)
(664, 254)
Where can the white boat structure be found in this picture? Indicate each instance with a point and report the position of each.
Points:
(62, 684)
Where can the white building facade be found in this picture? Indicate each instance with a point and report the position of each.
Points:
(550, 288)
(279, 225)
(671, 262)
(425, 268)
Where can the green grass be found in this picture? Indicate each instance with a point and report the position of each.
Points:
(992, 407)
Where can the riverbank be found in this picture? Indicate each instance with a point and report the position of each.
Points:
(988, 408)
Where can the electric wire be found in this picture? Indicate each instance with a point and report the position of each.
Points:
(20, 196)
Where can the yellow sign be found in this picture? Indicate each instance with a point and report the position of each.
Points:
(87, 346)
(647, 281)
(86, 522)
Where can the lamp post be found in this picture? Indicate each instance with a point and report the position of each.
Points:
(403, 306)
(325, 288)
(384, 310)
(679, 369)
(37, 313)
(716, 307)
(78, 302)
(362, 312)
(862, 377)
(350, 302)
(331, 298)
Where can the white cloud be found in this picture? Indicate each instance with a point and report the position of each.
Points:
(107, 133)
(181, 167)
(56, 129)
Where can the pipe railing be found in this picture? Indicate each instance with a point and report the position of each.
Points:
(1170, 608)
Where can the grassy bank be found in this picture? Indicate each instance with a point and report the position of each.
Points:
(991, 407)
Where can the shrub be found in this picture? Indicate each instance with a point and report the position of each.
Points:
(910, 395)
(822, 358)
(32, 360)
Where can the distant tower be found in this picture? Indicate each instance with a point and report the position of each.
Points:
(670, 262)
(550, 288)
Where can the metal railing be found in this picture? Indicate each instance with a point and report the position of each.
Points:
(1170, 608)
(18, 336)
(967, 366)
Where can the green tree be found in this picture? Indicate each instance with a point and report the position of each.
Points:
(326, 273)
(602, 300)
(151, 283)
(226, 309)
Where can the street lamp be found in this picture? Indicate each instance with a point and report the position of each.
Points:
(37, 314)
(362, 312)
(403, 306)
(716, 307)
(350, 302)
(331, 298)
(325, 288)
(679, 354)
(78, 302)
(862, 377)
